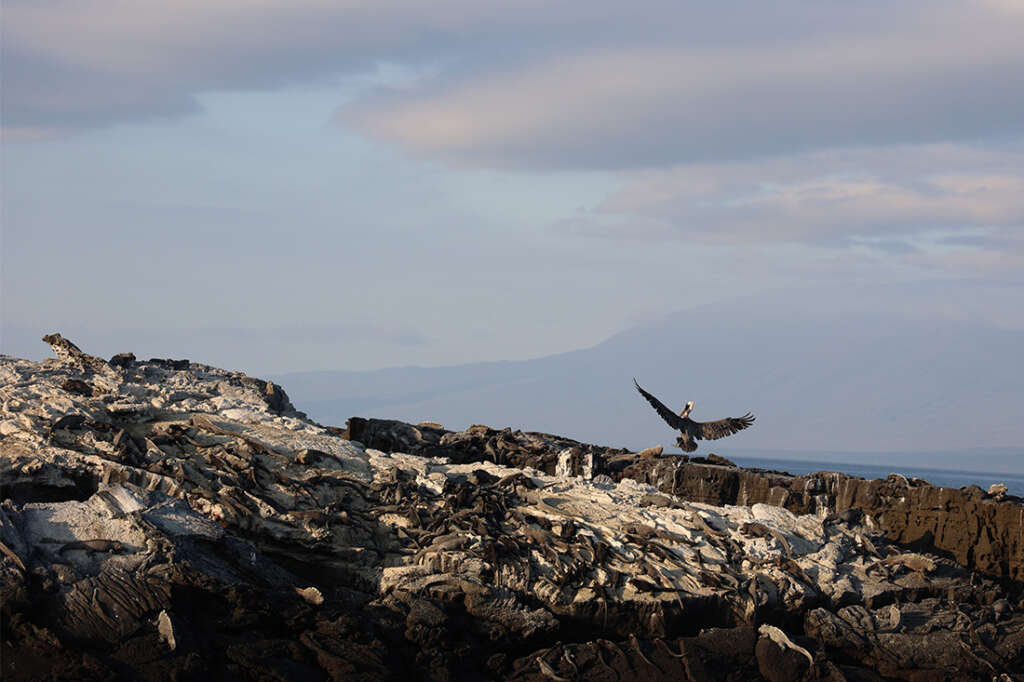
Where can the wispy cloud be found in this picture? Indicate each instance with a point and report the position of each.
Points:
(88, 63)
(878, 197)
(997, 251)
(542, 84)
(944, 74)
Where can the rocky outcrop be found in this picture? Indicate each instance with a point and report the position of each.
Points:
(979, 530)
(169, 520)
(540, 451)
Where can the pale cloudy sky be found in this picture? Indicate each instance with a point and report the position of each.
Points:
(281, 185)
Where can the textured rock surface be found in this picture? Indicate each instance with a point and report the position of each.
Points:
(983, 531)
(165, 519)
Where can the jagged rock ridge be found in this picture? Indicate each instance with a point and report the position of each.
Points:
(168, 519)
(983, 531)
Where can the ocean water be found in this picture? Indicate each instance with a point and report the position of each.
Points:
(940, 477)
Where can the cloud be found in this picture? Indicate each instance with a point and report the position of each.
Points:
(995, 252)
(946, 74)
(535, 83)
(89, 63)
(68, 66)
(878, 197)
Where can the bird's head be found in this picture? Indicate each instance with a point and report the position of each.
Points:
(686, 410)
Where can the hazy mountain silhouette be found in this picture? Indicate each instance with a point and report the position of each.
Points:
(841, 378)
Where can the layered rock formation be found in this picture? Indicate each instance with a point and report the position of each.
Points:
(165, 519)
(983, 531)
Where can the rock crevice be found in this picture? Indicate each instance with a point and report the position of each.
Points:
(219, 534)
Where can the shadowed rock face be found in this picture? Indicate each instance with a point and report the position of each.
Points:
(165, 519)
(980, 531)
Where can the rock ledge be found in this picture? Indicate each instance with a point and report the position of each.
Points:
(166, 519)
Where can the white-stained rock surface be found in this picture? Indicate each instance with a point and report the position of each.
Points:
(168, 519)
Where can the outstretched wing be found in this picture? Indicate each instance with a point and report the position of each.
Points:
(673, 419)
(722, 427)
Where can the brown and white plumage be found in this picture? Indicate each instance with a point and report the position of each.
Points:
(691, 430)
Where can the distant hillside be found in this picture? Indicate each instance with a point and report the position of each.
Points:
(838, 379)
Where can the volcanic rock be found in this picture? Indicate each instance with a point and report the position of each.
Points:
(982, 532)
(182, 521)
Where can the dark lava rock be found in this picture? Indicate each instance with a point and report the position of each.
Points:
(222, 536)
(123, 360)
(721, 461)
(780, 664)
(69, 421)
(77, 386)
(168, 363)
(975, 529)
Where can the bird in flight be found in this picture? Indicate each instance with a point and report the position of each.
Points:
(692, 431)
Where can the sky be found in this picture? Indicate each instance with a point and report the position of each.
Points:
(286, 185)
